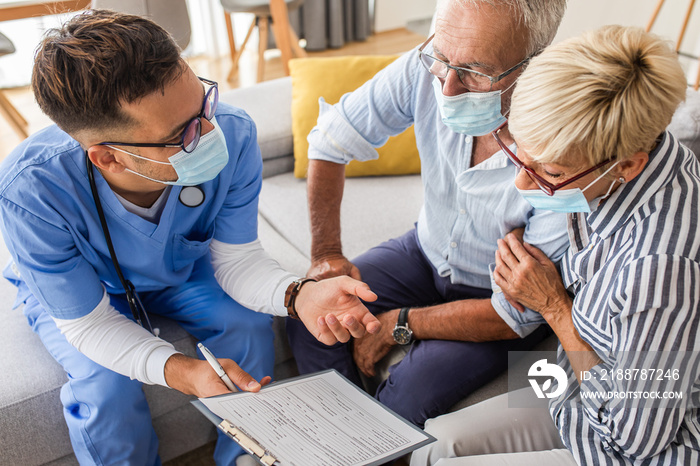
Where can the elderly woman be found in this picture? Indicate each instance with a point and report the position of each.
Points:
(588, 117)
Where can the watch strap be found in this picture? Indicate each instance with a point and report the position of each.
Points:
(403, 317)
(290, 296)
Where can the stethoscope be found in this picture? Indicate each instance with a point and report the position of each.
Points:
(190, 196)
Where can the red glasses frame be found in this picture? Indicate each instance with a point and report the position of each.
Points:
(544, 185)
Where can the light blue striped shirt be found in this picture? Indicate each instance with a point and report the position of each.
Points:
(466, 209)
(634, 266)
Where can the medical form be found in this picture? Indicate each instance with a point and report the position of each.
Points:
(320, 419)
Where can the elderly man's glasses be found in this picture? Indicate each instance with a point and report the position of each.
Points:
(470, 79)
(547, 187)
(193, 129)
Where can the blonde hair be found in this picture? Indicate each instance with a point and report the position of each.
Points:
(606, 94)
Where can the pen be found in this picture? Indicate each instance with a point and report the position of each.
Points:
(216, 366)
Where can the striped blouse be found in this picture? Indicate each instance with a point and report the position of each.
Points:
(634, 267)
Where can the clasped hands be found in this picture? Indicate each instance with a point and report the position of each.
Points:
(369, 348)
(528, 278)
(331, 309)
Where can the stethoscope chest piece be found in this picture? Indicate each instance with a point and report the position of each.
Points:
(192, 196)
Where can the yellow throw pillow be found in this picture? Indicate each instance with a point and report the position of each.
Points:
(330, 78)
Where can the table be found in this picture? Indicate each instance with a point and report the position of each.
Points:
(10, 10)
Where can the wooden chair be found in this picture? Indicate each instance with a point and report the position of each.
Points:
(680, 35)
(12, 115)
(266, 12)
(171, 15)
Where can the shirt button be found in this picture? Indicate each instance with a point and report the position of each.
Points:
(462, 211)
(453, 244)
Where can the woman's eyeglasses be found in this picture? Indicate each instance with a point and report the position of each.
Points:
(547, 187)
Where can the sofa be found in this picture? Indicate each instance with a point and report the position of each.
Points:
(32, 429)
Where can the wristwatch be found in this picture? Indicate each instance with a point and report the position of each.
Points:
(290, 296)
(402, 334)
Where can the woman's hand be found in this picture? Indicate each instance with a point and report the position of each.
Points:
(526, 274)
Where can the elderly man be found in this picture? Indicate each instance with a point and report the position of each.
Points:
(433, 283)
(146, 185)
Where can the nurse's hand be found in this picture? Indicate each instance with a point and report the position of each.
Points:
(332, 309)
(196, 377)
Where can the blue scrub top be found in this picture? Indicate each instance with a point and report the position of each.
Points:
(50, 224)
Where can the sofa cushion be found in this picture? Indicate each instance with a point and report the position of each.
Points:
(376, 209)
(277, 246)
(330, 78)
(685, 124)
(274, 128)
(32, 381)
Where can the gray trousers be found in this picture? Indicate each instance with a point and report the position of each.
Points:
(490, 433)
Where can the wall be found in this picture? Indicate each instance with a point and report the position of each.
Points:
(394, 14)
(581, 15)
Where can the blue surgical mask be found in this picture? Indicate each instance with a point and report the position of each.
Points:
(203, 164)
(565, 200)
(470, 113)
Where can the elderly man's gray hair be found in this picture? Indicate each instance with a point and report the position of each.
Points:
(540, 17)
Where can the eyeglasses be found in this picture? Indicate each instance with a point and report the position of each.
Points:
(472, 80)
(547, 187)
(193, 129)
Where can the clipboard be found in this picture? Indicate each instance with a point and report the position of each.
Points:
(335, 387)
(247, 443)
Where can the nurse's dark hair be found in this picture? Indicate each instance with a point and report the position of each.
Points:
(100, 59)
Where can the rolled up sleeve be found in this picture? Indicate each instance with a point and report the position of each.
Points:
(522, 323)
(364, 119)
(334, 139)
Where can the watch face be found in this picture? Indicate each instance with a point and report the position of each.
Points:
(402, 335)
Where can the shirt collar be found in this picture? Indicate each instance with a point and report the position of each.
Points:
(497, 160)
(615, 211)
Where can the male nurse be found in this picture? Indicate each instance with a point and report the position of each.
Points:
(434, 285)
(176, 176)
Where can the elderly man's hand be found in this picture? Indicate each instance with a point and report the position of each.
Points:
(332, 309)
(368, 350)
(526, 275)
(333, 266)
